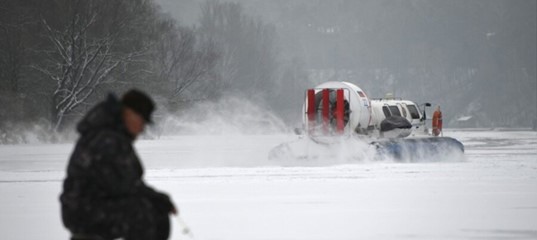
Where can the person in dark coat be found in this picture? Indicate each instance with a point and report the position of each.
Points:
(104, 195)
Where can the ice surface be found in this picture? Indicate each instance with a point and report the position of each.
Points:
(226, 188)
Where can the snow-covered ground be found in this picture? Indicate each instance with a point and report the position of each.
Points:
(226, 188)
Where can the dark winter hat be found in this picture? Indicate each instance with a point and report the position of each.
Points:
(140, 102)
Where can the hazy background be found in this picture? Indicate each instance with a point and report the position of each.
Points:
(250, 61)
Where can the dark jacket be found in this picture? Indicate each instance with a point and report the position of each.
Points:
(104, 168)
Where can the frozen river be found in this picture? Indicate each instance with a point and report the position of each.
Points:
(226, 189)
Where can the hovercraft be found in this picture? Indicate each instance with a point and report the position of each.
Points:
(341, 121)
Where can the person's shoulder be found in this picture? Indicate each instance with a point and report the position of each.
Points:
(109, 139)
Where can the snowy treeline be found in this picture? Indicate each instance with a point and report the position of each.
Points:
(57, 58)
(477, 59)
(474, 58)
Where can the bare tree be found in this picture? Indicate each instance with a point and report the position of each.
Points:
(247, 45)
(182, 60)
(12, 25)
(220, 24)
(78, 62)
(11, 60)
